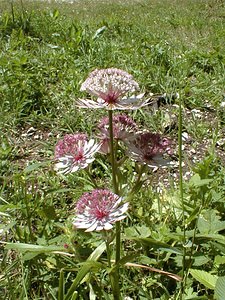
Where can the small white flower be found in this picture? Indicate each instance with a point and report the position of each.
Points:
(110, 87)
(148, 149)
(74, 152)
(98, 210)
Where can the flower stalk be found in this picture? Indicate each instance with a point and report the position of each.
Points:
(116, 288)
(112, 154)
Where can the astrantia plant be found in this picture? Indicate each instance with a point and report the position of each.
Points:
(102, 210)
(60, 238)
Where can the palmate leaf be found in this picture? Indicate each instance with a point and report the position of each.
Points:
(204, 238)
(198, 182)
(220, 288)
(219, 260)
(205, 278)
(209, 222)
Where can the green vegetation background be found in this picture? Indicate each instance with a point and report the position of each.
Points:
(47, 50)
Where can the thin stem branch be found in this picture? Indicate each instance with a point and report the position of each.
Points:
(108, 250)
(182, 195)
(112, 154)
(87, 170)
(140, 172)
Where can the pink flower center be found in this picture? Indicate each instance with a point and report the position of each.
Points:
(79, 156)
(110, 97)
(100, 214)
(98, 202)
(148, 156)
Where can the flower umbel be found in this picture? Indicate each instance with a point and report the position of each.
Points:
(148, 149)
(110, 86)
(123, 130)
(98, 210)
(74, 152)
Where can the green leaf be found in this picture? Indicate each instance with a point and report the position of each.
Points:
(49, 212)
(30, 255)
(219, 260)
(58, 190)
(137, 231)
(193, 215)
(75, 295)
(127, 258)
(92, 295)
(99, 32)
(155, 244)
(205, 278)
(146, 260)
(200, 260)
(35, 166)
(4, 214)
(202, 238)
(90, 263)
(198, 182)
(209, 222)
(220, 288)
(86, 267)
(21, 247)
(97, 252)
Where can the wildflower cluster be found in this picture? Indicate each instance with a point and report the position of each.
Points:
(101, 208)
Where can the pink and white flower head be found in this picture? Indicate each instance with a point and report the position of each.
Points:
(123, 130)
(149, 149)
(110, 87)
(74, 152)
(99, 210)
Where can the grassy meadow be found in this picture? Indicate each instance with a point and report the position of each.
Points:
(173, 239)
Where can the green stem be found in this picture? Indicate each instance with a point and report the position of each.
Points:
(29, 223)
(108, 250)
(12, 9)
(115, 286)
(114, 179)
(91, 178)
(112, 154)
(140, 172)
(182, 196)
